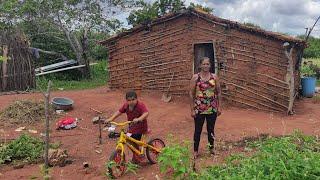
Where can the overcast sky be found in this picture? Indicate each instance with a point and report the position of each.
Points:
(287, 16)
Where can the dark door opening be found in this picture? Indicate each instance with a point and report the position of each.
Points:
(203, 50)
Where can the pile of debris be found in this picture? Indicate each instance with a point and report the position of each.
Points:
(24, 111)
(58, 157)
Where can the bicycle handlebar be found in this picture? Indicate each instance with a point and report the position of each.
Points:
(121, 124)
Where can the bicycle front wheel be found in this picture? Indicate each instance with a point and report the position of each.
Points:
(152, 155)
(117, 166)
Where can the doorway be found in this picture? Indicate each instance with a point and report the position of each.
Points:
(203, 50)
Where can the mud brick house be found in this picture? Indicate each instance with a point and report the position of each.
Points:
(258, 69)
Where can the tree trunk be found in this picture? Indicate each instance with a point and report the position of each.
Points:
(78, 48)
(81, 52)
(85, 46)
(5, 68)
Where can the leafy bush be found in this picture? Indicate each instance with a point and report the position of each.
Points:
(177, 157)
(24, 148)
(312, 66)
(313, 49)
(307, 71)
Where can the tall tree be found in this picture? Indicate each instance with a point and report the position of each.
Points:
(76, 19)
(201, 8)
(146, 12)
(150, 11)
(313, 49)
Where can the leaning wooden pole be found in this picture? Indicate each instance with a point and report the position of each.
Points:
(307, 37)
(290, 77)
(47, 97)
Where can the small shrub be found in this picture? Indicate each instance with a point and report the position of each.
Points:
(307, 71)
(130, 167)
(177, 157)
(25, 148)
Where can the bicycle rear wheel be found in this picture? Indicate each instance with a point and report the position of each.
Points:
(118, 166)
(152, 155)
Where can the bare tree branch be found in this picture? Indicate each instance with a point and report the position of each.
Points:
(51, 53)
(41, 33)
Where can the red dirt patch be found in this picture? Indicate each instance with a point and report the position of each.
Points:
(165, 118)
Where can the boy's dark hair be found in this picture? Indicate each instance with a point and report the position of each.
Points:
(131, 94)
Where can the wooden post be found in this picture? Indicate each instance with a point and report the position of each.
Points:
(99, 123)
(290, 77)
(100, 136)
(47, 98)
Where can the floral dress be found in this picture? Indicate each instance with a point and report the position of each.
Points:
(205, 99)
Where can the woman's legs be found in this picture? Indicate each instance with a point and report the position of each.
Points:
(211, 121)
(198, 123)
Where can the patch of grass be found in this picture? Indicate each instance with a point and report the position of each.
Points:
(318, 82)
(98, 78)
(296, 156)
(292, 157)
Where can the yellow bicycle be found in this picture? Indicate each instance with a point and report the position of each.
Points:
(153, 149)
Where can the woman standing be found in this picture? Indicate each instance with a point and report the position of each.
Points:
(205, 95)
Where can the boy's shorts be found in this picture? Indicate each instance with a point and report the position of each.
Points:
(136, 136)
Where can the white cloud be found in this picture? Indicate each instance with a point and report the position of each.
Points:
(286, 16)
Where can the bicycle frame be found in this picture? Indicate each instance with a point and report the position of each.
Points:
(126, 140)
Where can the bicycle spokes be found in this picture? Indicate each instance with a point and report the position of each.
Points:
(119, 166)
(153, 154)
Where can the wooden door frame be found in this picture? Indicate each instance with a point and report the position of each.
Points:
(213, 42)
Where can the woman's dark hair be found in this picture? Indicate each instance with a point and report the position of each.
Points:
(131, 94)
(202, 59)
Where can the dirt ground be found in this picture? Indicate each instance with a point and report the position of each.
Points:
(165, 118)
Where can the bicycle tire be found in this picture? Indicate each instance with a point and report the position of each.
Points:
(120, 164)
(151, 154)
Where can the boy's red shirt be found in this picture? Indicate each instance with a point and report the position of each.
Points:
(138, 110)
